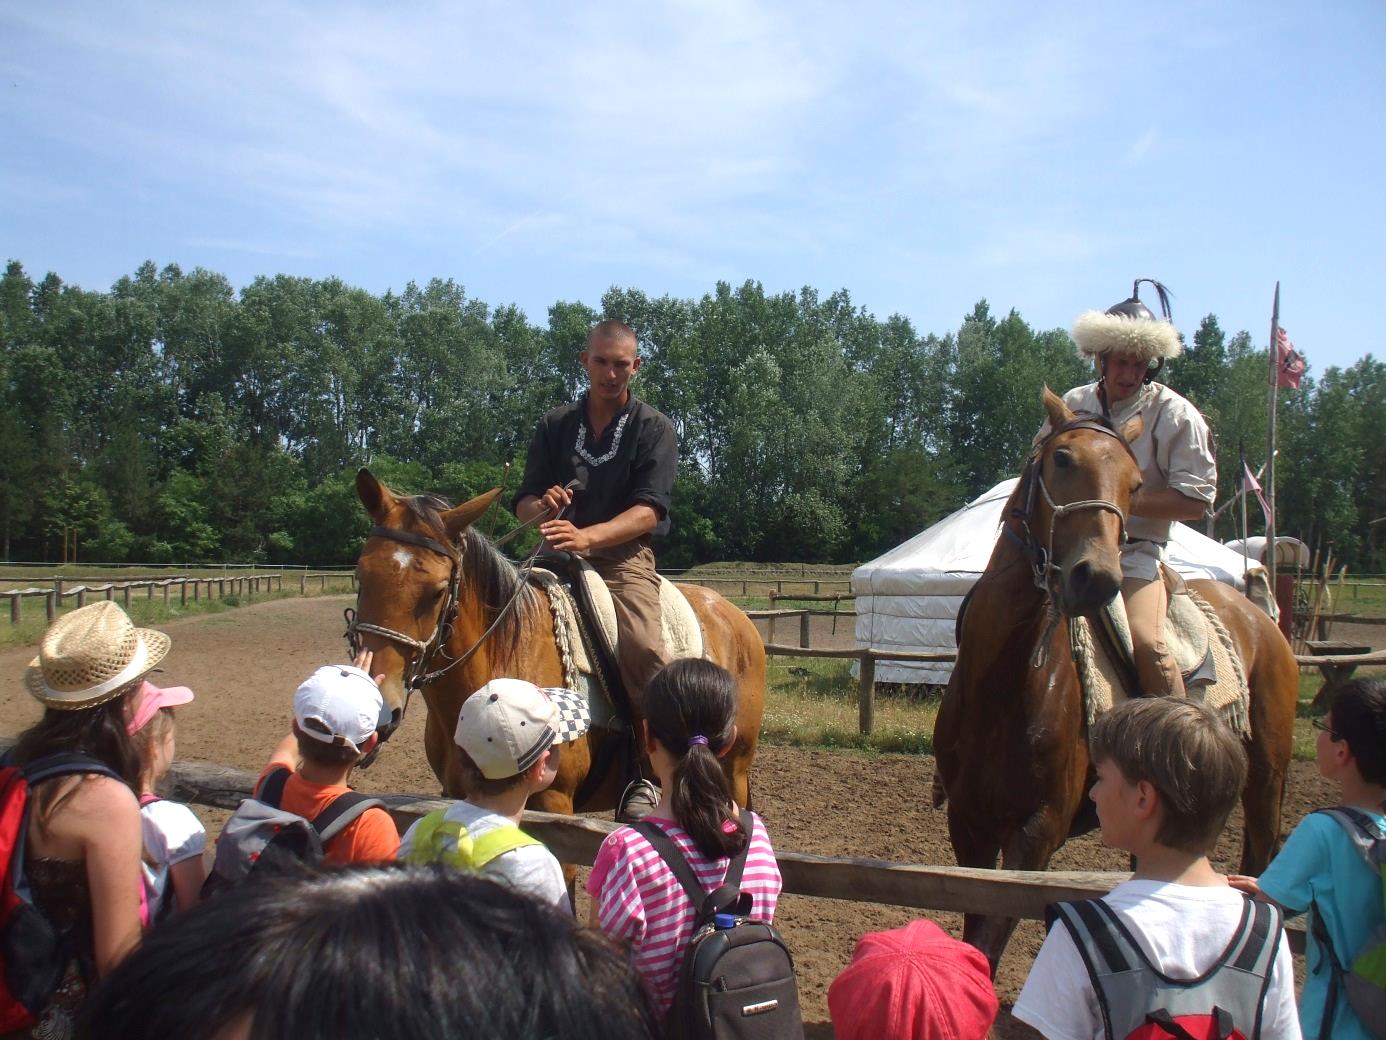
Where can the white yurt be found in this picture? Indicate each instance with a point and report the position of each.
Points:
(908, 598)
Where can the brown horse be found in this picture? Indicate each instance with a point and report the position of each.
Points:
(1011, 738)
(444, 612)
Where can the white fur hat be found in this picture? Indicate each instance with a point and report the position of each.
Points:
(1129, 327)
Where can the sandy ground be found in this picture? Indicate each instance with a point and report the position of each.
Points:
(245, 664)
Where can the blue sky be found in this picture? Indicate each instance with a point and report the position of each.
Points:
(920, 155)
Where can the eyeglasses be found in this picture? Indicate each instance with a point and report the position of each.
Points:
(1324, 727)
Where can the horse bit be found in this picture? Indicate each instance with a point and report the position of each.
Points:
(1043, 568)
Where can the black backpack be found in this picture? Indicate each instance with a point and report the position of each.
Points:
(737, 977)
(261, 839)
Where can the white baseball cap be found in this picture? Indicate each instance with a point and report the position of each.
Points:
(507, 724)
(338, 704)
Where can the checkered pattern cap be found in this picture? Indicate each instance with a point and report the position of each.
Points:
(507, 724)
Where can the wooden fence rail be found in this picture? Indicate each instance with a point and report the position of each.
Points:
(229, 584)
(576, 839)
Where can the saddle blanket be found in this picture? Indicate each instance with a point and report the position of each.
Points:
(1202, 649)
(683, 635)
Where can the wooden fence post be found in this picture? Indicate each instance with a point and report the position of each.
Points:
(182, 592)
(14, 608)
(149, 590)
(58, 588)
(165, 592)
(303, 584)
(125, 597)
(866, 695)
(81, 596)
(50, 605)
(804, 629)
(110, 593)
(771, 637)
(324, 582)
(197, 589)
(815, 586)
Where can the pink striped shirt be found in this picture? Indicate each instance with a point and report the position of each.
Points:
(639, 899)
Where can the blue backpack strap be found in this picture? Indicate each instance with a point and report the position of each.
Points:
(271, 790)
(66, 763)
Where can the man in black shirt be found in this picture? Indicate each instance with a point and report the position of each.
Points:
(625, 454)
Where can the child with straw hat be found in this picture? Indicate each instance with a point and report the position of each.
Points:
(84, 839)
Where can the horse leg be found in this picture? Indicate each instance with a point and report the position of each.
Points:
(551, 800)
(1268, 758)
(1029, 848)
(436, 743)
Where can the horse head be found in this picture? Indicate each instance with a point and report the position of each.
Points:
(409, 580)
(1077, 490)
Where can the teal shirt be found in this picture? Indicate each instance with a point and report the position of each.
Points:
(1320, 864)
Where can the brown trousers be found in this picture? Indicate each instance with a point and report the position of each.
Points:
(629, 572)
(1146, 606)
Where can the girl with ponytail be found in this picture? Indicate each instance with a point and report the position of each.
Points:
(690, 712)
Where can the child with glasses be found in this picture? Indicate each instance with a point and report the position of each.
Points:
(1320, 868)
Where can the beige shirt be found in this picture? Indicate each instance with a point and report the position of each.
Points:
(1174, 451)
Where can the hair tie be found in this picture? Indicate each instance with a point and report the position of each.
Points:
(697, 738)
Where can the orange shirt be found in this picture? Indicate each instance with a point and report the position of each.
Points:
(370, 838)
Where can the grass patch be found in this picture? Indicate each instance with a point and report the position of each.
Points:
(813, 703)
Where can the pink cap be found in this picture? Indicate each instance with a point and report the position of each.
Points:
(913, 983)
(150, 699)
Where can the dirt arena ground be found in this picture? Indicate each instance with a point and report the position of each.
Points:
(245, 664)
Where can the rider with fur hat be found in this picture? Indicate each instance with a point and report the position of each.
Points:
(1129, 345)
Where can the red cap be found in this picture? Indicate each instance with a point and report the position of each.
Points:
(913, 983)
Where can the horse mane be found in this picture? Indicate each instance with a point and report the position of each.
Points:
(487, 574)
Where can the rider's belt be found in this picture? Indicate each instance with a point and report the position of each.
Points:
(1149, 541)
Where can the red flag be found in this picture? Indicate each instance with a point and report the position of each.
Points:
(1250, 483)
(1289, 364)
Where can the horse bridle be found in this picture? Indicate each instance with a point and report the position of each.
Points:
(1041, 557)
(416, 673)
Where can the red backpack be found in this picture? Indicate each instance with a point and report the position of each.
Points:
(33, 954)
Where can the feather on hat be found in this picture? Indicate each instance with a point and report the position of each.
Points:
(1129, 327)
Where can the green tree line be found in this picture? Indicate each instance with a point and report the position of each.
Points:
(174, 419)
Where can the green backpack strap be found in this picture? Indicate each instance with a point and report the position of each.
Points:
(440, 840)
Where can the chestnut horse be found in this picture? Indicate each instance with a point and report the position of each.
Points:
(1011, 736)
(444, 612)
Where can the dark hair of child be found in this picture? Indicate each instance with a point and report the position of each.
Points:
(689, 699)
(323, 753)
(1358, 712)
(98, 731)
(372, 950)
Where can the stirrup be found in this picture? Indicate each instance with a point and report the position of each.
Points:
(637, 801)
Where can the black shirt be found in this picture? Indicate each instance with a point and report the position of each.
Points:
(634, 461)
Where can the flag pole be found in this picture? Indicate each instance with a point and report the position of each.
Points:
(1246, 565)
(1270, 449)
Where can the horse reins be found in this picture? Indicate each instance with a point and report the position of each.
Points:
(1041, 557)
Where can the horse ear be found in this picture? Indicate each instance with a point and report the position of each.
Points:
(1133, 429)
(374, 495)
(1059, 413)
(459, 518)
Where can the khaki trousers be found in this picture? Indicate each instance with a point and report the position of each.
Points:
(1146, 605)
(629, 572)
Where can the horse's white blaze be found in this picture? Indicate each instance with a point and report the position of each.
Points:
(403, 558)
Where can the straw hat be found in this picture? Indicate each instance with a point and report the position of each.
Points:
(91, 655)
